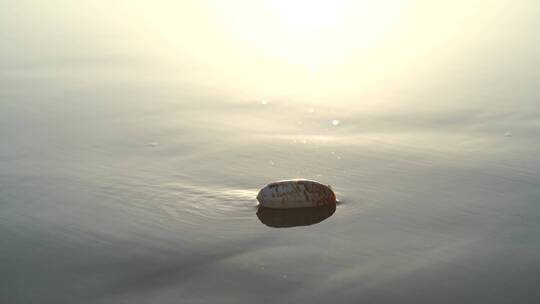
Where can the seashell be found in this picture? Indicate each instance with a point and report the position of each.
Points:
(296, 193)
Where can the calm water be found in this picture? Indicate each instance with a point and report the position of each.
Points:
(123, 184)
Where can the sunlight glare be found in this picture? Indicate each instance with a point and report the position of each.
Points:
(320, 32)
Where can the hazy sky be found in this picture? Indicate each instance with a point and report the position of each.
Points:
(308, 49)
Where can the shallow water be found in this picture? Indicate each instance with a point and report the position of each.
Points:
(93, 211)
(119, 186)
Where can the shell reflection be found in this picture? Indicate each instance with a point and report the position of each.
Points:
(284, 218)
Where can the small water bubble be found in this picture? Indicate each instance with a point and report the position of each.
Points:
(508, 134)
(335, 122)
(153, 144)
(271, 163)
(264, 102)
(311, 110)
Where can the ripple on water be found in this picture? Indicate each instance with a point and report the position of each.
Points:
(210, 207)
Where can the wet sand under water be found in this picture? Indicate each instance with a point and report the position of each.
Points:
(92, 212)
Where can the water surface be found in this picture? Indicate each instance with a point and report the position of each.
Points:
(126, 180)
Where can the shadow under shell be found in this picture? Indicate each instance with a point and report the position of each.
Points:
(284, 218)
